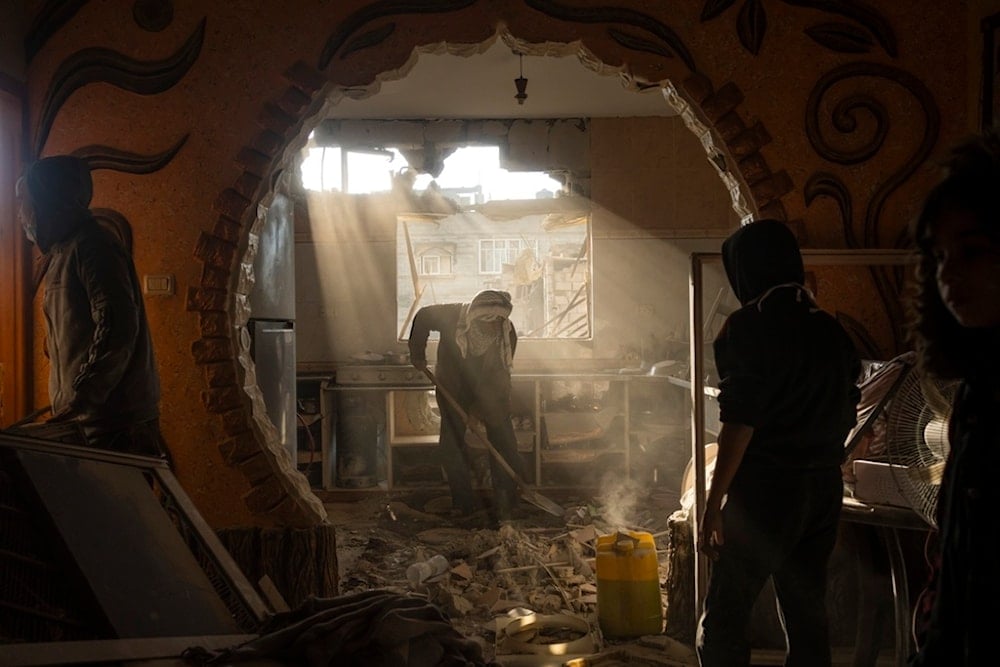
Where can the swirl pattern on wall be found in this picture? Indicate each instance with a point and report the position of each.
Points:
(845, 121)
(100, 65)
(54, 15)
(373, 12)
(639, 29)
(106, 157)
(860, 36)
(153, 15)
(669, 41)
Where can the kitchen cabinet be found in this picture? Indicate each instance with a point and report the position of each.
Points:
(413, 424)
(572, 428)
(356, 453)
(309, 431)
(581, 423)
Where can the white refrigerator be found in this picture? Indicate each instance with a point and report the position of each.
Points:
(272, 319)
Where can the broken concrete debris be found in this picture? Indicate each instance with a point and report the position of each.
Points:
(524, 590)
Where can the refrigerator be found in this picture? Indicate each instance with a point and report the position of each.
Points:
(271, 324)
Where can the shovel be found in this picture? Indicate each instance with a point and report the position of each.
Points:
(527, 494)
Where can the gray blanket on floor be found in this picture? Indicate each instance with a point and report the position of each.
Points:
(371, 629)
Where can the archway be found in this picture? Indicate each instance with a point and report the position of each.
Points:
(278, 491)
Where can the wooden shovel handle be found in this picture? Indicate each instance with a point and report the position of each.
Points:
(536, 499)
(465, 420)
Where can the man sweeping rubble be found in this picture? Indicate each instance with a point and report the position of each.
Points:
(474, 360)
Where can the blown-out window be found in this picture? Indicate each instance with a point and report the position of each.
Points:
(539, 255)
(495, 253)
(506, 230)
(467, 224)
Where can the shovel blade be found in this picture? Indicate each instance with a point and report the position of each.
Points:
(542, 503)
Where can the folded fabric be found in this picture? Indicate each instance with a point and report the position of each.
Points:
(371, 629)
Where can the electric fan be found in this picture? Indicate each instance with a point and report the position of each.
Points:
(916, 439)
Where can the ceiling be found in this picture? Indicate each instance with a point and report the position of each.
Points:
(481, 85)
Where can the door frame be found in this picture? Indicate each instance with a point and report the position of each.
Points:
(15, 261)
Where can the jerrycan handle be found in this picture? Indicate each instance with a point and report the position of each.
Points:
(625, 543)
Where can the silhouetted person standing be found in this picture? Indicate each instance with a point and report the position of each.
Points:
(474, 360)
(103, 372)
(787, 399)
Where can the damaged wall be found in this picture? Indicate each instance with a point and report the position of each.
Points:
(236, 83)
(655, 195)
(525, 145)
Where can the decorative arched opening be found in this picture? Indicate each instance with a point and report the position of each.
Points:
(713, 113)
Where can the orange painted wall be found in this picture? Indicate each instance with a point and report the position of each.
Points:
(221, 104)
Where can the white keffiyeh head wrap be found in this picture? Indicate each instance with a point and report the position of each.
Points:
(476, 340)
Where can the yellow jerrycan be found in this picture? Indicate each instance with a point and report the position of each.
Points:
(628, 586)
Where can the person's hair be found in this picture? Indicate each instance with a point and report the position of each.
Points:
(970, 182)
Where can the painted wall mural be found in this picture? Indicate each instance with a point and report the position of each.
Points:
(826, 184)
(866, 27)
(102, 65)
(833, 145)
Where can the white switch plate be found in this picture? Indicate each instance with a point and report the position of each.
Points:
(159, 285)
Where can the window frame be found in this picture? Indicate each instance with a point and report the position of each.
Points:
(504, 256)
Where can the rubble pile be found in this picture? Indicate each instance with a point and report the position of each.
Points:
(536, 563)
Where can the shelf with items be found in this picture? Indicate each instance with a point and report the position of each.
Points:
(636, 425)
(309, 438)
(582, 422)
(584, 425)
(659, 431)
(571, 428)
(413, 422)
(309, 431)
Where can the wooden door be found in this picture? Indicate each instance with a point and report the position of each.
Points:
(15, 308)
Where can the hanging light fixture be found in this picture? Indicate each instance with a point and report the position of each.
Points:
(520, 82)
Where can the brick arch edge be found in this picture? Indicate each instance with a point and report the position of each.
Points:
(279, 492)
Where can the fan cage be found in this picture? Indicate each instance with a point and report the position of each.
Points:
(916, 440)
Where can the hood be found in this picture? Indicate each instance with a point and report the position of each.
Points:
(59, 190)
(759, 256)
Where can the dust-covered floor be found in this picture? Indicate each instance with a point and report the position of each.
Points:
(497, 574)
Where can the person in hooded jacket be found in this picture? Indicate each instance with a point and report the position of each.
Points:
(475, 356)
(102, 370)
(787, 400)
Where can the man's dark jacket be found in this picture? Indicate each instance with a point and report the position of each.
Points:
(102, 366)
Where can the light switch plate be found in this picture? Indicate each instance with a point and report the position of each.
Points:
(158, 285)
